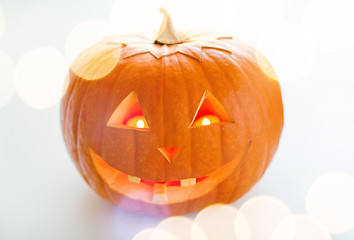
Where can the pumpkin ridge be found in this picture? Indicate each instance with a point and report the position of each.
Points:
(243, 158)
(76, 123)
(208, 80)
(66, 124)
(107, 113)
(65, 107)
(187, 94)
(252, 88)
(136, 140)
(264, 109)
(267, 109)
(266, 133)
(65, 102)
(271, 93)
(210, 89)
(78, 146)
(164, 67)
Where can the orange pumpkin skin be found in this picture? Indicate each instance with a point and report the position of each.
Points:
(169, 82)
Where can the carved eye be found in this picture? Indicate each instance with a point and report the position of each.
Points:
(128, 115)
(210, 112)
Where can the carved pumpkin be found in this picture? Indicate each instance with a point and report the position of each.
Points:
(171, 126)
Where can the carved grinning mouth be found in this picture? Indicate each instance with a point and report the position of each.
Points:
(162, 192)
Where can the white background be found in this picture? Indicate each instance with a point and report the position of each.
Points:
(42, 196)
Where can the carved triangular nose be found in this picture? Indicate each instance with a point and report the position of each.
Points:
(170, 153)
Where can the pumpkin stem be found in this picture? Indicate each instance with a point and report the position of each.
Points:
(167, 34)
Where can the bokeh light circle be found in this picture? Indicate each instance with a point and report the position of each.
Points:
(40, 77)
(331, 201)
(7, 70)
(262, 214)
(145, 234)
(180, 227)
(85, 35)
(331, 23)
(97, 61)
(2, 23)
(265, 66)
(160, 234)
(242, 228)
(300, 227)
(216, 221)
(289, 49)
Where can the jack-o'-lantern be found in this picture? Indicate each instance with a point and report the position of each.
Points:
(170, 126)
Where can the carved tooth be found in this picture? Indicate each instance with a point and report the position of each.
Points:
(160, 198)
(188, 182)
(160, 195)
(134, 179)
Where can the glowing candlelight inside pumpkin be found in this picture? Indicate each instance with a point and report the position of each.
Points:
(140, 124)
(206, 121)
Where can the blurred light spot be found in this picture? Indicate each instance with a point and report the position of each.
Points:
(2, 23)
(262, 214)
(40, 77)
(7, 70)
(179, 227)
(242, 228)
(145, 234)
(331, 23)
(160, 234)
(290, 51)
(97, 61)
(265, 66)
(331, 201)
(85, 35)
(216, 221)
(250, 19)
(300, 227)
